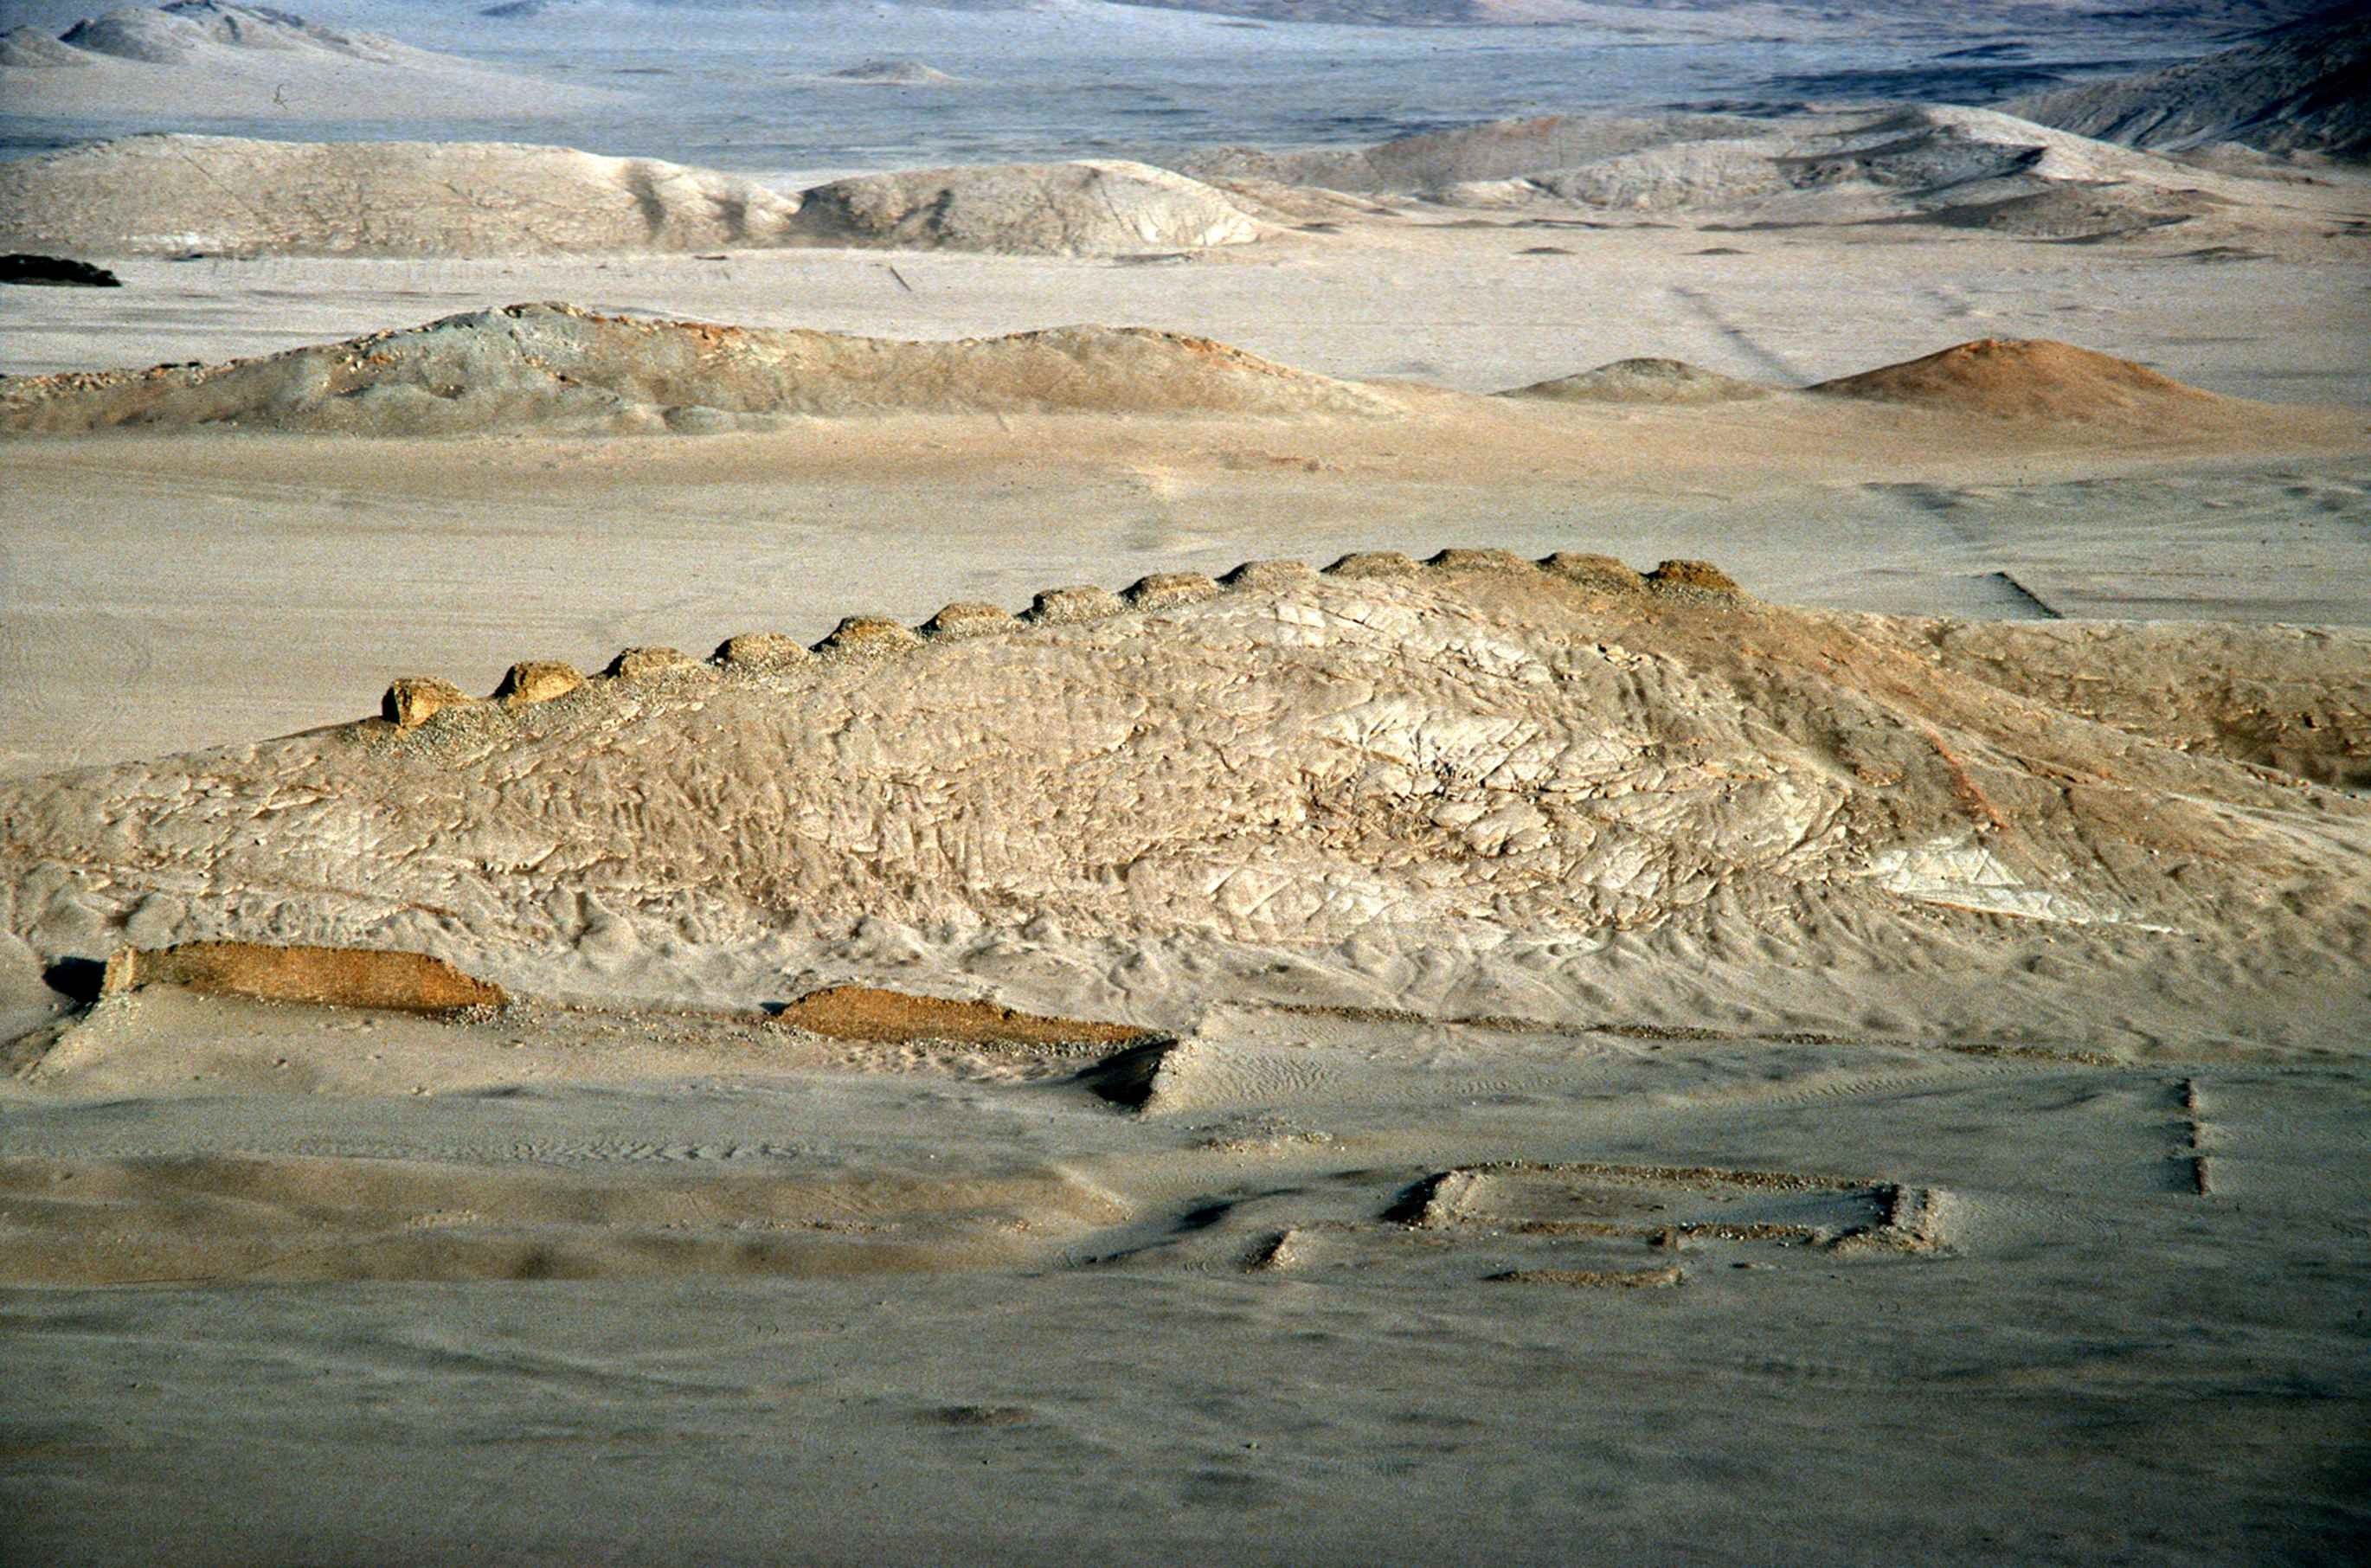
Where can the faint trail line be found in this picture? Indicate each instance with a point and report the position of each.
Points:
(1703, 306)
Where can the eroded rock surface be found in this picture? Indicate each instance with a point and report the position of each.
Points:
(1509, 787)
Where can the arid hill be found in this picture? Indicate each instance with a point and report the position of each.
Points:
(891, 73)
(2304, 88)
(170, 195)
(185, 29)
(1062, 209)
(1962, 167)
(32, 49)
(2035, 379)
(1495, 149)
(557, 368)
(1540, 778)
(1644, 381)
(202, 60)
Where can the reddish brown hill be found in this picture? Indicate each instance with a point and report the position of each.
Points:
(2032, 378)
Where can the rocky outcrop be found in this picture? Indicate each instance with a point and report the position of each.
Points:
(184, 27)
(345, 977)
(412, 700)
(1430, 160)
(56, 271)
(195, 61)
(1522, 772)
(537, 680)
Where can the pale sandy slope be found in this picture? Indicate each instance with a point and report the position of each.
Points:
(183, 196)
(174, 195)
(957, 1313)
(200, 58)
(1564, 787)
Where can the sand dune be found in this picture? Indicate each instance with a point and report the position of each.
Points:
(198, 60)
(2297, 89)
(1566, 777)
(1066, 209)
(555, 366)
(170, 195)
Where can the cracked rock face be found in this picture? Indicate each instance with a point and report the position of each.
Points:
(1361, 778)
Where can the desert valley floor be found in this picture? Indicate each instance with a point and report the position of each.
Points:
(1759, 951)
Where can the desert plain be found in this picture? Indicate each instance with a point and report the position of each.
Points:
(1638, 836)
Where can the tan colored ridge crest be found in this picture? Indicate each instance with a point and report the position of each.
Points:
(412, 700)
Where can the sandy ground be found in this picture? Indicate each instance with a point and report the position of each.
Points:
(358, 563)
(315, 585)
(1011, 1318)
(863, 1303)
(1436, 295)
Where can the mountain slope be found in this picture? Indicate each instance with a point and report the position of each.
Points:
(2305, 88)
